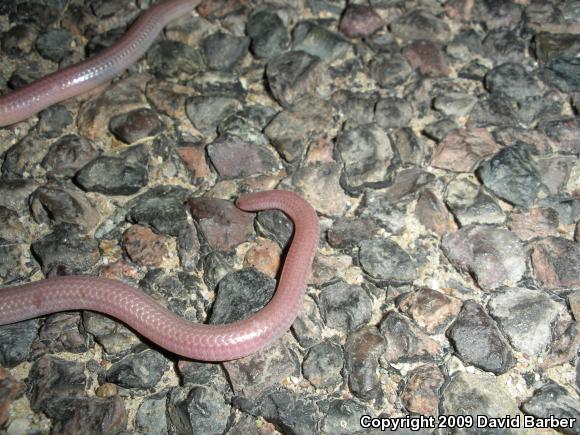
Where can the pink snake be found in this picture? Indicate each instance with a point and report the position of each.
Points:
(161, 326)
(119, 300)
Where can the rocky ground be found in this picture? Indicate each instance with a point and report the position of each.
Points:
(438, 141)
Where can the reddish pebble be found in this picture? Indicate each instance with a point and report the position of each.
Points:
(428, 57)
(359, 21)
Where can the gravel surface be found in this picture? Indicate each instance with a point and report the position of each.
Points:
(439, 142)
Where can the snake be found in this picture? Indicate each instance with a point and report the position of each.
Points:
(204, 342)
(167, 330)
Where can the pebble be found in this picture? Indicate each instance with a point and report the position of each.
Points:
(512, 175)
(457, 104)
(268, 34)
(16, 342)
(385, 260)
(526, 316)
(367, 155)
(432, 310)
(428, 57)
(323, 364)
(67, 155)
(535, 222)
(406, 342)
(552, 400)
(420, 394)
(363, 349)
(112, 175)
(206, 112)
(476, 394)
(223, 51)
(555, 262)
(240, 294)
(344, 306)
(293, 75)
(389, 71)
(144, 247)
(494, 256)
(342, 416)
(359, 21)
(224, 226)
(292, 130)
(470, 204)
(136, 125)
(392, 112)
(151, 415)
(234, 158)
(433, 214)
(54, 44)
(420, 24)
(319, 41)
(10, 390)
(174, 59)
(66, 250)
(478, 341)
(462, 150)
(141, 370)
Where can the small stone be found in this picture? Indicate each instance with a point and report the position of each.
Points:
(223, 51)
(411, 149)
(556, 262)
(390, 71)
(345, 307)
(112, 176)
(526, 316)
(503, 45)
(512, 81)
(319, 41)
(406, 342)
(292, 130)
(433, 214)
(19, 39)
(349, 232)
(291, 412)
(198, 409)
(16, 342)
(359, 21)
(66, 250)
(53, 203)
(61, 332)
(512, 175)
(308, 325)
(439, 129)
(144, 247)
(293, 75)
(54, 44)
(264, 257)
(206, 112)
(420, 24)
(141, 370)
(428, 57)
(474, 394)
(67, 155)
(163, 210)
(552, 401)
(276, 363)
(393, 112)
(494, 256)
(107, 415)
(268, 34)
(10, 390)
(240, 294)
(323, 364)
(563, 134)
(234, 158)
(363, 349)
(385, 260)
(470, 204)
(106, 390)
(151, 415)
(174, 59)
(535, 222)
(367, 155)
(136, 125)
(12, 229)
(430, 309)
(54, 120)
(223, 224)
(421, 392)
(462, 150)
(555, 172)
(319, 185)
(455, 103)
(343, 416)
(479, 342)
(562, 73)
